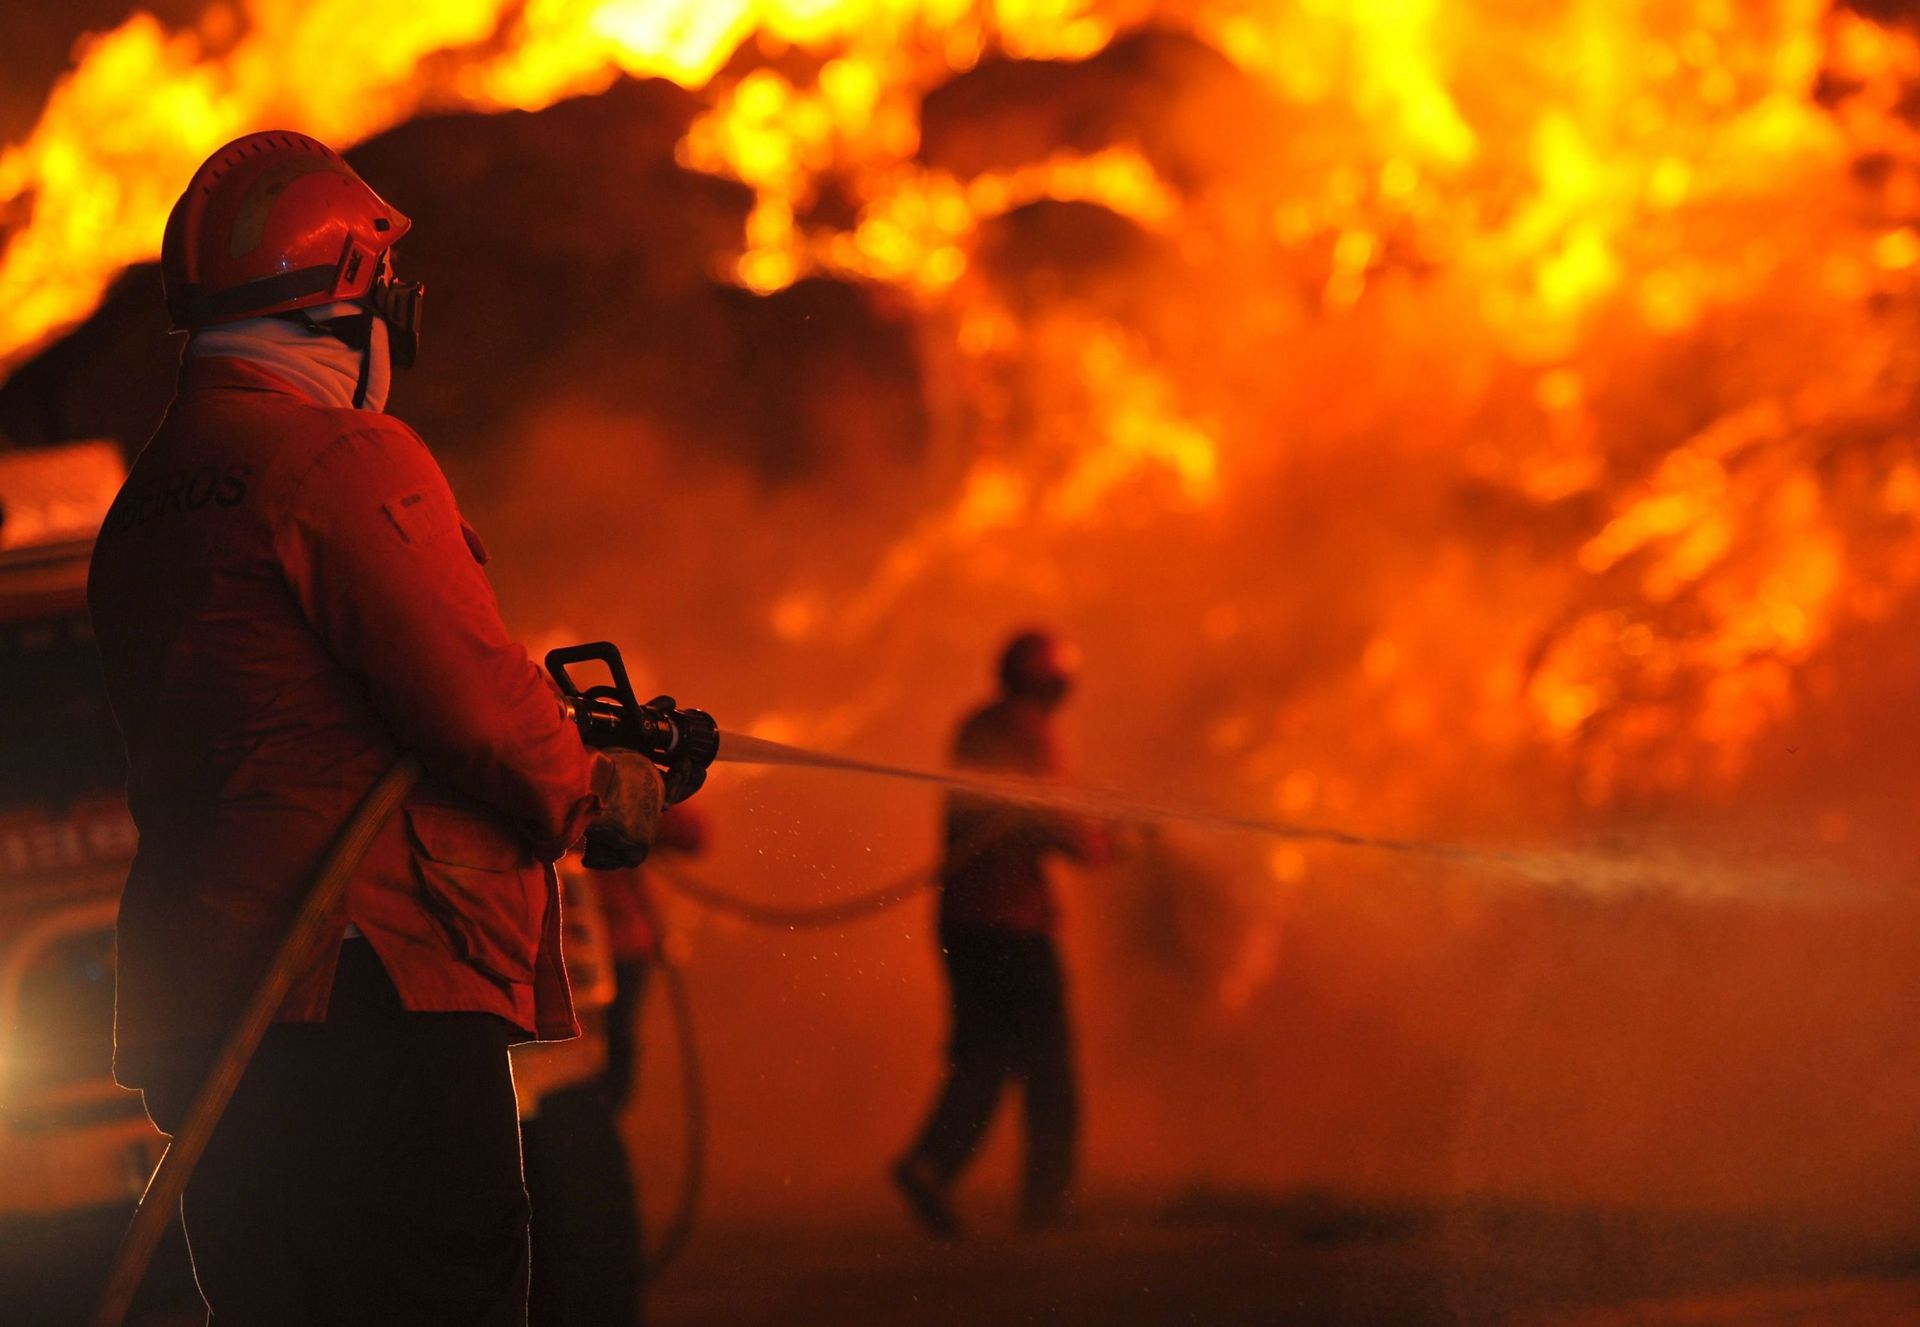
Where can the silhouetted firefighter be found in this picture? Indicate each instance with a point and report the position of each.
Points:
(588, 1263)
(286, 598)
(997, 923)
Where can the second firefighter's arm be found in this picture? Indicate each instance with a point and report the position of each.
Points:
(1031, 752)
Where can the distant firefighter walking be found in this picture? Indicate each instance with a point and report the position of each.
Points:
(997, 925)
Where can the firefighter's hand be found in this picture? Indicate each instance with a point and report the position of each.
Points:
(631, 799)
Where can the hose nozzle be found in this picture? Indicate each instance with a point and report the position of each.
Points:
(682, 742)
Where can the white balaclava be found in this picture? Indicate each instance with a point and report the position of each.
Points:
(324, 368)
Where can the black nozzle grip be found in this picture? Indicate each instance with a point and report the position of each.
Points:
(598, 651)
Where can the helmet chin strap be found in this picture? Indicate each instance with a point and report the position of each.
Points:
(376, 369)
(365, 331)
(366, 373)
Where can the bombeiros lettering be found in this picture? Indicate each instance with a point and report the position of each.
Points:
(193, 490)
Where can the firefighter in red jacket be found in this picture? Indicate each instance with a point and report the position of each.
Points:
(286, 598)
(997, 922)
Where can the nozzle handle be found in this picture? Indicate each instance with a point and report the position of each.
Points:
(598, 651)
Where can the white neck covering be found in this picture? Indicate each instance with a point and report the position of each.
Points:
(323, 368)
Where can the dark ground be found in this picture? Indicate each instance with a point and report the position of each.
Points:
(1305, 1261)
(1210, 1259)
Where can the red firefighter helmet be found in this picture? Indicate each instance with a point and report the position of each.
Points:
(1039, 665)
(270, 223)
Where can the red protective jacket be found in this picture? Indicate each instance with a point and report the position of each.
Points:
(995, 869)
(285, 596)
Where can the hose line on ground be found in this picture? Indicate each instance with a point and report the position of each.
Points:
(693, 1105)
(784, 917)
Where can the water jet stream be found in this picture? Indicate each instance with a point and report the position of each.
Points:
(1610, 873)
(1096, 803)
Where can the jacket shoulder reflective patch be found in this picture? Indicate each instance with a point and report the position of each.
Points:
(474, 546)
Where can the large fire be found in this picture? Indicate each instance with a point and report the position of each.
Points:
(1396, 166)
(1475, 420)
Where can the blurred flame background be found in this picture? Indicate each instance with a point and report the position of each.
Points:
(1482, 421)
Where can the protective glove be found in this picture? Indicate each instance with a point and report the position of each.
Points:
(631, 799)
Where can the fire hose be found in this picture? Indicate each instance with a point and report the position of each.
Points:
(682, 742)
(837, 912)
(780, 917)
(693, 1105)
(312, 926)
(176, 1167)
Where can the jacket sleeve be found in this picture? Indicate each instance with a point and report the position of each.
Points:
(373, 547)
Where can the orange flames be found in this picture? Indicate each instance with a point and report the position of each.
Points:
(86, 193)
(1522, 207)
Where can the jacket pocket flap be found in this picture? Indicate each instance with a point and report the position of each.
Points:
(480, 881)
(459, 838)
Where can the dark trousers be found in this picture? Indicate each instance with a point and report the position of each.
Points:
(586, 1220)
(367, 1172)
(1009, 1021)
